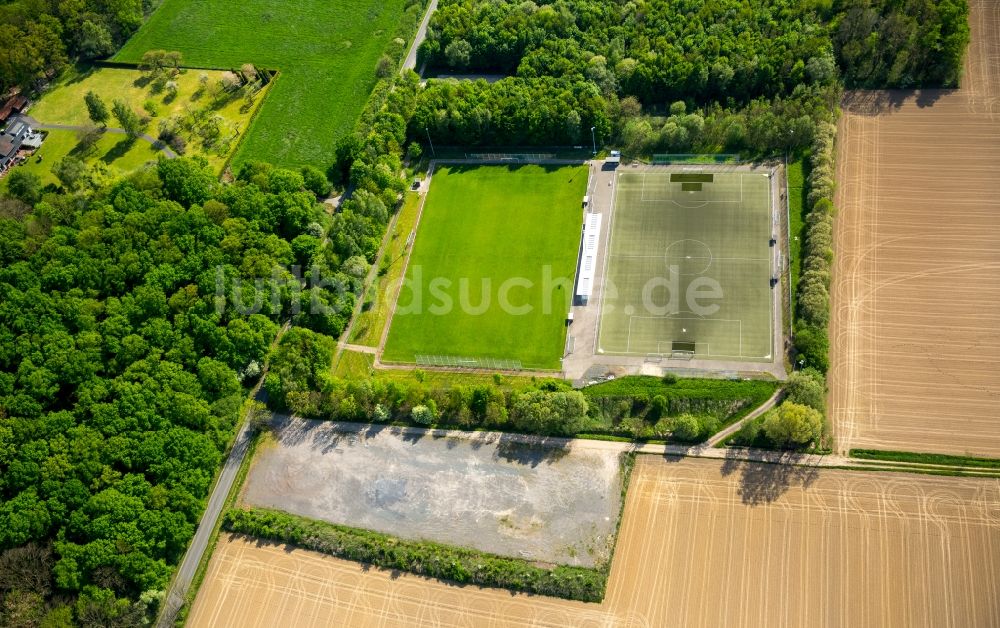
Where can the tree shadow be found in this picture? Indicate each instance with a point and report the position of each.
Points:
(546, 450)
(85, 149)
(119, 150)
(513, 167)
(325, 436)
(764, 480)
(411, 435)
(873, 102)
(81, 76)
(689, 450)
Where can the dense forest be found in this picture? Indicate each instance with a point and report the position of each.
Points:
(40, 36)
(134, 315)
(656, 51)
(729, 51)
(678, 75)
(901, 43)
(127, 336)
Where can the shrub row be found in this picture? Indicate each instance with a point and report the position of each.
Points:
(549, 411)
(813, 302)
(638, 409)
(463, 566)
(645, 387)
(926, 458)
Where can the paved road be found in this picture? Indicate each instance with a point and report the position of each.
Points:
(35, 124)
(411, 59)
(181, 582)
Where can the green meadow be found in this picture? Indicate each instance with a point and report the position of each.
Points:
(490, 236)
(325, 51)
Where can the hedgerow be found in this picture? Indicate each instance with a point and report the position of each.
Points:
(435, 560)
(813, 302)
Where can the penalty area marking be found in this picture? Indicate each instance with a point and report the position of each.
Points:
(739, 321)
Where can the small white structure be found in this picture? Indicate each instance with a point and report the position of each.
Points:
(615, 157)
(33, 141)
(588, 258)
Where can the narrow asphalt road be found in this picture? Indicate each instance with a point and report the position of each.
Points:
(35, 124)
(411, 59)
(181, 582)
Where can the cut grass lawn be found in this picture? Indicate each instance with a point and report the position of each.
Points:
(797, 216)
(371, 322)
(354, 365)
(64, 104)
(326, 51)
(113, 150)
(482, 227)
(446, 380)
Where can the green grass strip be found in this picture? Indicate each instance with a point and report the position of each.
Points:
(797, 172)
(463, 566)
(922, 458)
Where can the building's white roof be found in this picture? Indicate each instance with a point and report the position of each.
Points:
(588, 258)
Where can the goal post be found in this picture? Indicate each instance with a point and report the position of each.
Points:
(679, 349)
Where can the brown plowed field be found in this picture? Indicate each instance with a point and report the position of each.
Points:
(915, 336)
(703, 543)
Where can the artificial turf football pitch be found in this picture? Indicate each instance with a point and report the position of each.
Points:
(689, 266)
(492, 267)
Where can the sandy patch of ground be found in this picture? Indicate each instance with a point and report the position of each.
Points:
(915, 336)
(703, 543)
(485, 491)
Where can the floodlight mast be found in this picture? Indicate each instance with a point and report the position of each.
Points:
(430, 142)
(593, 138)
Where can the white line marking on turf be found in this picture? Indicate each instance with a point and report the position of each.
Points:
(628, 341)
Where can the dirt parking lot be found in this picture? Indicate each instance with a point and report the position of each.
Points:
(483, 490)
(703, 543)
(915, 335)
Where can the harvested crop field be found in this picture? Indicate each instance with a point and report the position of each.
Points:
(483, 491)
(702, 543)
(915, 335)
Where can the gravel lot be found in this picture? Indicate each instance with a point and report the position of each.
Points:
(484, 491)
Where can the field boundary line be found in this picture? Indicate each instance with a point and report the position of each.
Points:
(608, 252)
(253, 118)
(344, 342)
(406, 265)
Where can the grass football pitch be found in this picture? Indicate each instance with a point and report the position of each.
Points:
(326, 51)
(492, 268)
(689, 266)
